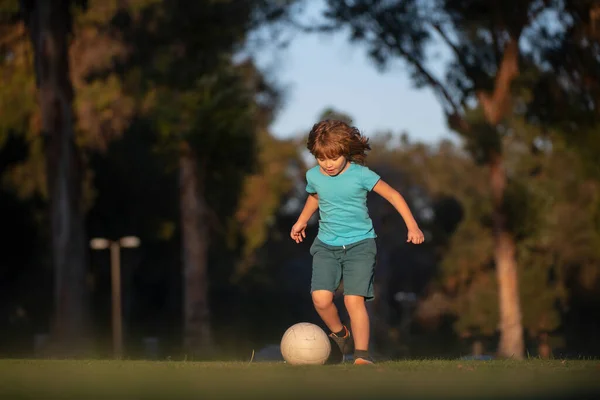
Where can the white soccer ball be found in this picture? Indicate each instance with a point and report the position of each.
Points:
(305, 343)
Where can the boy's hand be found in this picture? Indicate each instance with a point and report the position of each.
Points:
(415, 236)
(298, 232)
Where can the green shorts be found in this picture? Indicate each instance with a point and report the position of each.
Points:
(354, 264)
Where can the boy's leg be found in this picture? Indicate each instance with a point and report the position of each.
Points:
(326, 277)
(359, 319)
(323, 302)
(359, 270)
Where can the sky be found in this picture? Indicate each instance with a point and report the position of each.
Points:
(321, 71)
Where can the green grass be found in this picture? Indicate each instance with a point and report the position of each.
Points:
(427, 379)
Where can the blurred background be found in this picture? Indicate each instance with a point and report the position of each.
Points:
(152, 161)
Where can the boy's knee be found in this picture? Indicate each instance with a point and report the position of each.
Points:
(322, 299)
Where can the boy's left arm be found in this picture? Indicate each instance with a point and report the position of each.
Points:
(395, 198)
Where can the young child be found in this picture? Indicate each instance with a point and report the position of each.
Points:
(345, 245)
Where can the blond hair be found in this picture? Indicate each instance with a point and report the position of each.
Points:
(332, 139)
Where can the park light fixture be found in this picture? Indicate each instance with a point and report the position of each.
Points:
(129, 242)
(115, 275)
(99, 243)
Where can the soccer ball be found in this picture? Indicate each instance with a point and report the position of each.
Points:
(305, 343)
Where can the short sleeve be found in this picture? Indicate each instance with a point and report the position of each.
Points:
(369, 178)
(309, 186)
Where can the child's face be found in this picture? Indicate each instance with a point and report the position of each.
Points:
(332, 166)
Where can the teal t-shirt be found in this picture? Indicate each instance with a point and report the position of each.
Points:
(344, 217)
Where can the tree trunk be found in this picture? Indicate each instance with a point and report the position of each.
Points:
(495, 107)
(511, 331)
(544, 349)
(48, 22)
(477, 348)
(197, 333)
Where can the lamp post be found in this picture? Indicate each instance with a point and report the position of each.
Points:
(115, 274)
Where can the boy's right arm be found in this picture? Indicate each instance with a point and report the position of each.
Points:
(298, 230)
(311, 205)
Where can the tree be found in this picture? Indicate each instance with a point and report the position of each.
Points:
(483, 40)
(331, 113)
(49, 25)
(100, 111)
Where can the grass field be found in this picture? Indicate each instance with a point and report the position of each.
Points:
(427, 379)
